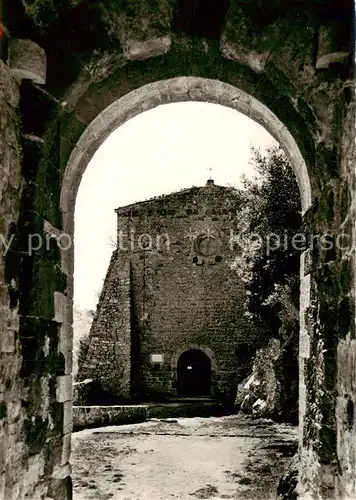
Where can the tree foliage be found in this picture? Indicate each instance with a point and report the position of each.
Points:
(269, 264)
(272, 214)
(84, 344)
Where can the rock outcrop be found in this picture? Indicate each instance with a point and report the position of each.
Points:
(259, 392)
(271, 389)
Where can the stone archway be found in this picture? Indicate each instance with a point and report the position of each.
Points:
(179, 90)
(191, 89)
(170, 91)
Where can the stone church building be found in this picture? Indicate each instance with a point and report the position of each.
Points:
(170, 319)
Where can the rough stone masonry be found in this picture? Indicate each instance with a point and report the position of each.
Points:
(70, 73)
(172, 288)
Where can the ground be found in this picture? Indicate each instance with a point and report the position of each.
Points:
(231, 457)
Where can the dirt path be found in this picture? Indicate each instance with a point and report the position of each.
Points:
(198, 458)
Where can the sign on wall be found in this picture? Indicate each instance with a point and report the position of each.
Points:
(156, 358)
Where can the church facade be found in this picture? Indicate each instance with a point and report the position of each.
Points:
(171, 320)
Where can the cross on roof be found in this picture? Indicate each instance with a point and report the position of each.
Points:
(210, 179)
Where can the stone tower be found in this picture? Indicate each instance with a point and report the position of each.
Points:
(170, 319)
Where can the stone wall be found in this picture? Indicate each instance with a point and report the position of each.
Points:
(13, 450)
(35, 387)
(86, 417)
(36, 337)
(108, 360)
(181, 299)
(346, 348)
(327, 363)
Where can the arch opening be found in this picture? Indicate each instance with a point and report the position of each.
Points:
(174, 90)
(180, 89)
(194, 374)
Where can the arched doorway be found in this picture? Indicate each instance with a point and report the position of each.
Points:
(194, 374)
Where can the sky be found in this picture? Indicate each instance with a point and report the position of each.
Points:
(163, 150)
